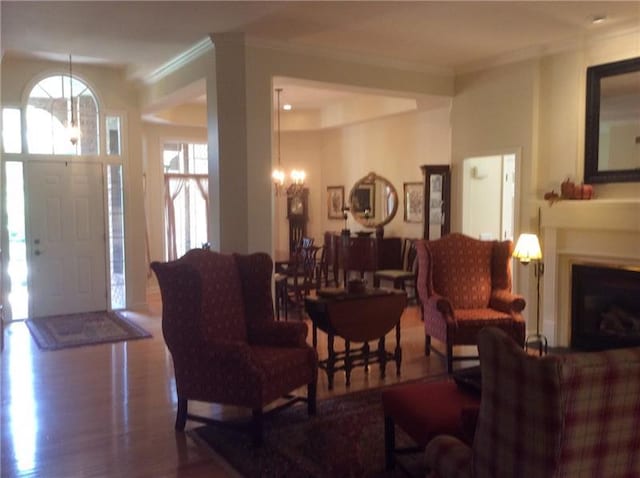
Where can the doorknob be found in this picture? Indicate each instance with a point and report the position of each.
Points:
(37, 252)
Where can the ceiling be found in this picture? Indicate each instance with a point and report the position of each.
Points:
(140, 37)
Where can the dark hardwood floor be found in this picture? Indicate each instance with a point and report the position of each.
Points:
(108, 410)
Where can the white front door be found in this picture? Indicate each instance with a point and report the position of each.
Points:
(66, 238)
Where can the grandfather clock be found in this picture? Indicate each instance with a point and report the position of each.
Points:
(298, 215)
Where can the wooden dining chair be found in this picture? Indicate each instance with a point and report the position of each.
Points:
(303, 276)
(405, 276)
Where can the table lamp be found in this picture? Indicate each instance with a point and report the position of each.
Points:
(528, 250)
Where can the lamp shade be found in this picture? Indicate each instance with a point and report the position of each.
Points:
(527, 248)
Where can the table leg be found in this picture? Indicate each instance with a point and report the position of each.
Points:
(398, 352)
(382, 357)
(331, 361)
(285, 302)
(314, 336)
(347, 361)
(365, 351)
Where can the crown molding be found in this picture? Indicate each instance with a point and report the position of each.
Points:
(196, 51)
(342, 55)
(552, 48)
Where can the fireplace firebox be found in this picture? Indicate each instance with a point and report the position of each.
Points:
(605, 307)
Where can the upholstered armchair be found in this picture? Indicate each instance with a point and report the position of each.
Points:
(217, 321)
(572, 415)
(464, 284)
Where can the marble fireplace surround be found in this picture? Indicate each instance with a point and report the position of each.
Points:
(604, 232)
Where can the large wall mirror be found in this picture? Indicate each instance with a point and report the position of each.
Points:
(373, 201)
(612, 135)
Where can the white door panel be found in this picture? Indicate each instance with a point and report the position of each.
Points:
(66, 238)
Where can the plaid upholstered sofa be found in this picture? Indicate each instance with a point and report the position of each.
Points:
(217, 321)
(574, 415)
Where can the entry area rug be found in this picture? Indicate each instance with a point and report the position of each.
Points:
(88, 328)
(344, 439)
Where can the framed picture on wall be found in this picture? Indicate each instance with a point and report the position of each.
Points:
(413, 202)
(335, 202)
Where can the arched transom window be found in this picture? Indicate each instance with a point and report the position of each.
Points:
(50, 110)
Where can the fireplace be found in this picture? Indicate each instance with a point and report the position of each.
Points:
(605, 307)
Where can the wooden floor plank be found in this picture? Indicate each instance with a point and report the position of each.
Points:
(108, 410)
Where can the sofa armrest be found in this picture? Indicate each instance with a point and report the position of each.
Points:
(440, 309)
(438, 304)
(507, 302)
(443, 305)
(279, 334)
(448, 457)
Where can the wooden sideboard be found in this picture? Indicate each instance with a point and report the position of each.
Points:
(360, 254)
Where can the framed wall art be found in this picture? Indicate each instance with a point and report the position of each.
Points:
(335, 202)
(413, 202)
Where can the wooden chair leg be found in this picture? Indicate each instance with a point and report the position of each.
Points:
(449, 359)
(278, 301)
(389, 443)
(427, 345)
(311, 398)
(256, 427)
(181, 414)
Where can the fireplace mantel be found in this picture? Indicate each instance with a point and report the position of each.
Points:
(601, 214)
(598, 231)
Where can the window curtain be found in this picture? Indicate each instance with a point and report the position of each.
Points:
(176, 187)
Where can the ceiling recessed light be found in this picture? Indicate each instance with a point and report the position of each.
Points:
(597, 19)
(287, 107)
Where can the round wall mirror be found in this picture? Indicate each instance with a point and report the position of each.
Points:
(373, 201)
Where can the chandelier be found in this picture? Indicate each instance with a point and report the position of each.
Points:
(296, 176)
(73, 131)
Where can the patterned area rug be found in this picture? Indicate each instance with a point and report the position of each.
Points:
(89, 328)
(344, 439)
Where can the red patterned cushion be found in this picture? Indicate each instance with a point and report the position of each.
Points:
(462, 270)
(425, 410)
(222, 313)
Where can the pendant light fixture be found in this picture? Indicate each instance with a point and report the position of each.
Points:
(72, 128)
(278, 175)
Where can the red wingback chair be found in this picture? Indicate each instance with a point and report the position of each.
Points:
(572, 415)
(464, 284)
(218, 323)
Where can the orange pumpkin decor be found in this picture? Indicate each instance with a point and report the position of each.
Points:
(570, 190)
(567, 189)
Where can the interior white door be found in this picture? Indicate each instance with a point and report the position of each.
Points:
(66, 238)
